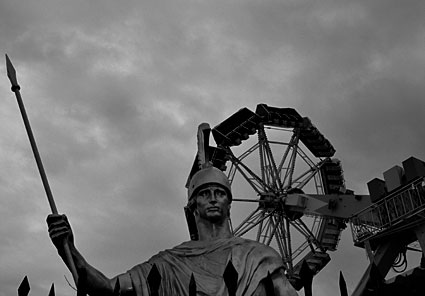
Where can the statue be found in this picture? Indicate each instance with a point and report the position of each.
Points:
(258, 267)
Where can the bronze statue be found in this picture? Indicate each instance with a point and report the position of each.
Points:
(257, 268)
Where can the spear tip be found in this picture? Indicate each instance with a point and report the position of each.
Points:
(11, 73)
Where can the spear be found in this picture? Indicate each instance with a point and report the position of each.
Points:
(11, 73)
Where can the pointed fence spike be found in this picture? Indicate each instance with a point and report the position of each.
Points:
(230, 277)
(154, 280)
(24, 287)
(117, 288)
(192, 286)
(306, 275)
(342, 285)
(52, 290)
(268, 284)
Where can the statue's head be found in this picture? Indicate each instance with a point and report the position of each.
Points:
(200, 181)
(210, 175)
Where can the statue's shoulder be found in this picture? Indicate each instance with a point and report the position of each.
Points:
(196, 248)
(249, 242)
(185, 249)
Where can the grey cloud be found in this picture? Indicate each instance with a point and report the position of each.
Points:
(115, 92)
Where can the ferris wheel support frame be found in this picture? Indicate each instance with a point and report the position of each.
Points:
(282, 202)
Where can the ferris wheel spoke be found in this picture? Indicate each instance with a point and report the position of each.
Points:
(303, 178)
(276, 234)
(284, 245)
(233, 169)
(299, 250)
(287, 179)
(317, 221)
(289, 244)
(292, 150)
(249, 151)
(267, 231)
(260, 226)
(310, 237)
(231, 174)
(305, 157)
(268, 164)
(284, 158)
(254, 219)
(253, 179)
(312, 174)
(283, 236)
(247, 223)
(230, 154)
(293, 142)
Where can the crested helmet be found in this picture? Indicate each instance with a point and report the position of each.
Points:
(209, 175)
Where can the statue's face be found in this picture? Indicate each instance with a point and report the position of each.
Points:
(212, 203)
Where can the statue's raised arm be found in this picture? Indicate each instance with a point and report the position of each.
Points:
(91, 280)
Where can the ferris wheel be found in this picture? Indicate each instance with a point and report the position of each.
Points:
(274, 159)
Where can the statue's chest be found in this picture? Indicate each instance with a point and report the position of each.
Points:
(213, 263)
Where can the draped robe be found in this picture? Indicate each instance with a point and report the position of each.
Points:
(207, 260)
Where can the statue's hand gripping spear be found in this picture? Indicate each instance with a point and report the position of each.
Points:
(11, 73)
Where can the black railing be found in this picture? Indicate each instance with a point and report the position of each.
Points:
(24, 288)
(230, 277)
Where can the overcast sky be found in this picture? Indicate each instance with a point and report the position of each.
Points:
(115, 91)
